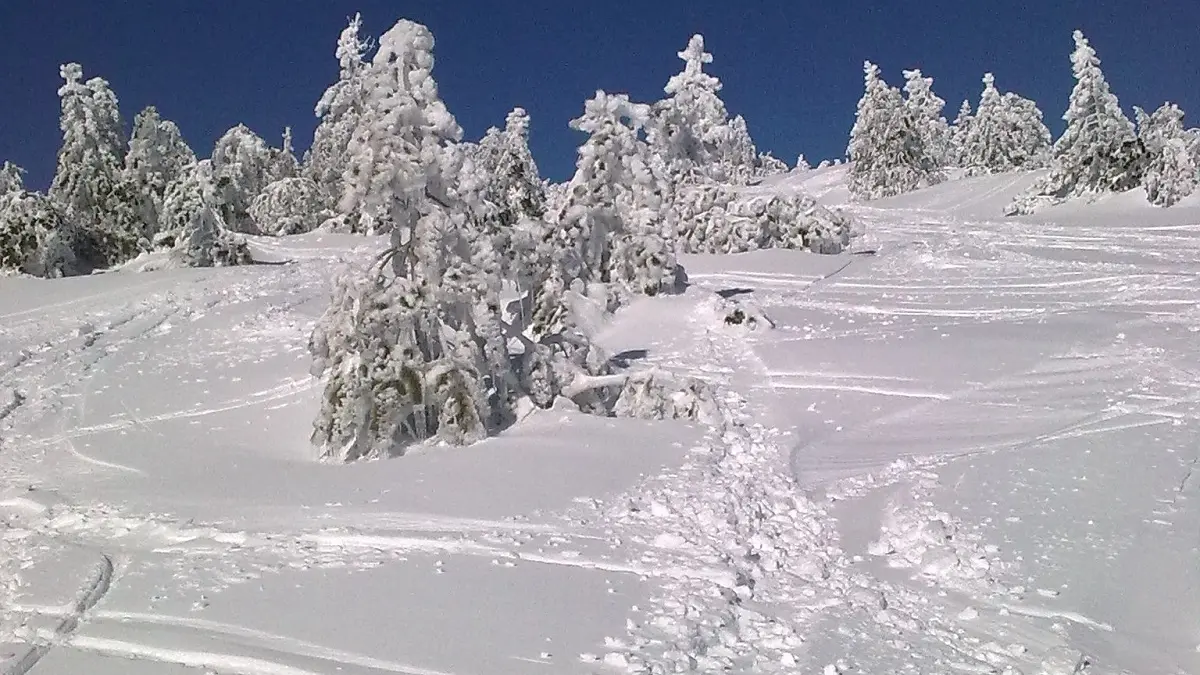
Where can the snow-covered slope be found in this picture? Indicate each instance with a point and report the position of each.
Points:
(967, 446)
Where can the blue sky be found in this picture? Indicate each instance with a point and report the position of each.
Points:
(793, 69)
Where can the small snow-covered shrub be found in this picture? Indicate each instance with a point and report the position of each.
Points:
(206, 243)
(718, 219)
(288, 206)
(658, 395)
(192, 226)
(34, 237)
(735, 313)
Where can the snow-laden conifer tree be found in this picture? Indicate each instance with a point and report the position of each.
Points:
(737, 159)
(514, 194)
(35, 238)
(1006, 133)
(612, 229)
(959, 132)
(89, 186)
(412, 348)
(12, 179)
(1029, 133)
(926, 109)
(192, 222)
(887, 152)
(693, 134)
(157, 156)
(692, 127)
(1098, 152)
(403, 121)
(340, 106)
(1171, 170)
(283, 159)
(242, 165)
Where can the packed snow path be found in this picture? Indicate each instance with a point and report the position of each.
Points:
(971, 451)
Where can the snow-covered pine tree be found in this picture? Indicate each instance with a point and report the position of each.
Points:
(283, 159)
(192, 223)
(1006, 134)
(515, 194)
(1098, 152)
(692, 130)
(157, 157)
(35, 238)
(89, 186)
(242, 165)
(1171, 170)
(412, 348)
(385, 147)
(692, 133)
(959, 132)
(12, 179)
(887, 152)
(611, 229)
(926, 110)
(340, 106)
(1030, 136)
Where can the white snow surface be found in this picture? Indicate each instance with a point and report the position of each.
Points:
(966, 446)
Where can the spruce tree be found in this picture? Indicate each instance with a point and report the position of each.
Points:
(959, 132)
(12, 179)
(1098, 152)
(1006, 133)
(242, 165)
(157, 157)
(692, 133)
(289, 206)
(35, 238)
(339, 109)
(512, 191)
(926, 109)
(89, 185)
(413, 348)
(1171, 170)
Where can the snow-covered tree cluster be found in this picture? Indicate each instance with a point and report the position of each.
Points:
(707, 158)
(1172, 155)
(114, 198)
(482, 306)
(1099, 152)
(897, 144)
(900, 142)
(1005, 133)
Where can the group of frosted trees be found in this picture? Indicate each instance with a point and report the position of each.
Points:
(481, 308)
(113, 198)
(901, 142)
